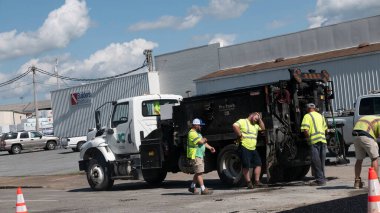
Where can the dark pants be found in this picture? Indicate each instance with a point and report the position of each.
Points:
(318, 157)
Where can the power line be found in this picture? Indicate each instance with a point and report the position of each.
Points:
(15, 78)
(68, 78)
(89, 79)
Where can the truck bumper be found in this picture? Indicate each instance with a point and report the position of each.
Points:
(83, 164)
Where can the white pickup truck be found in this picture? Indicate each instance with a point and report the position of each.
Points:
(75, 143)
(344, 121)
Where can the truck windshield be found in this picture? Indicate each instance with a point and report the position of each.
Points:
(152, 108)
(369, 106)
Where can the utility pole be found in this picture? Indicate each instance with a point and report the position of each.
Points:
(35, 98)
(149, 59)
(56, 71)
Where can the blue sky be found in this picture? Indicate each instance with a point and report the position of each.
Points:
(101, 38)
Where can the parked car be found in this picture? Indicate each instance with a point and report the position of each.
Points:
(75, 143)
(14, 142)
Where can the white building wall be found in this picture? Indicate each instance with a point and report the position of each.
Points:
(178, 70)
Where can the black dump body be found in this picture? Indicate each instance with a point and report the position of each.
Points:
(282, 147)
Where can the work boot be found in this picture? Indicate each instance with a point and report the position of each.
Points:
(358, 183)
(193, 190)
(258, 184)
(249, 185)
(206, 191)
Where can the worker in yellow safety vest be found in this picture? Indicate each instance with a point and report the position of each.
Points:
(366, 131)
(315, 128)
(247, 131)
(196, 145)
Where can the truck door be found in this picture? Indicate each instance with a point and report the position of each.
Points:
(120, 142)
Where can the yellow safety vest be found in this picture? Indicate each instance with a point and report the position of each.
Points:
(193, 138)
(370, 124)
(156, 107)
(249, 133)
(316, 125)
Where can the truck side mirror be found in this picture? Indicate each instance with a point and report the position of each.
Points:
(97, 119)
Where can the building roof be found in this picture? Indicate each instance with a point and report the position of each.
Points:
(283, 62)
(26, 107)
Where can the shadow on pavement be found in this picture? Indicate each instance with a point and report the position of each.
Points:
(168, 184)
(355, 204)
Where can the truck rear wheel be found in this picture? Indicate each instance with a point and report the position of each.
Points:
(98, 175)
(154, 176)
(229, 166)
(296, 173)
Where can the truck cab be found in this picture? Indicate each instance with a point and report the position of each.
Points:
(113, 151)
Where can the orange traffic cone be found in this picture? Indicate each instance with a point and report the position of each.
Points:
(373, 192)
(20, 202)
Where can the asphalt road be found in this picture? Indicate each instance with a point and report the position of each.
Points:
(39, 162)
(45, 192)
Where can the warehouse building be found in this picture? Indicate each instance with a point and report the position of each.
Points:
(349, 51)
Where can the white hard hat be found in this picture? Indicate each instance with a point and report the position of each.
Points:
(310, 105)
(197, 121)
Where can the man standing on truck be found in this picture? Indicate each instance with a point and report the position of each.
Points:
(247, 131)
(366, 130)
(314, 127)
(196, 145)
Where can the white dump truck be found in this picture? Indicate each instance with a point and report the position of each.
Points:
(146, 136)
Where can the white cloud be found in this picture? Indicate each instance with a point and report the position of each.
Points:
(68, 22)
(226, 9)
(329, 12)
(276, 24)
(223, 39)
(221, 9)
(167, 22)
(114, 59)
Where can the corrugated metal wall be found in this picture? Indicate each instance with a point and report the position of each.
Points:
(75, 120)
(352, 76)
(323, 39)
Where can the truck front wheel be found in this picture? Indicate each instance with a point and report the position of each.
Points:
(98, 175)
(229, 166)
(154, 176)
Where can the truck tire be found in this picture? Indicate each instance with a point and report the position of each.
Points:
(16, 149)
(296, 173)
(98, 175)
(50, 145)
(154, 176)
(229, 166)
(79, 145)
(336, 148)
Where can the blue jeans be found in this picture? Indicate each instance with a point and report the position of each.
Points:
(318, 157)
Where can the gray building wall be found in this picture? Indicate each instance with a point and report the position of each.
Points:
(75, 120)
(177, 70)
(352, 76)
(317, 40)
